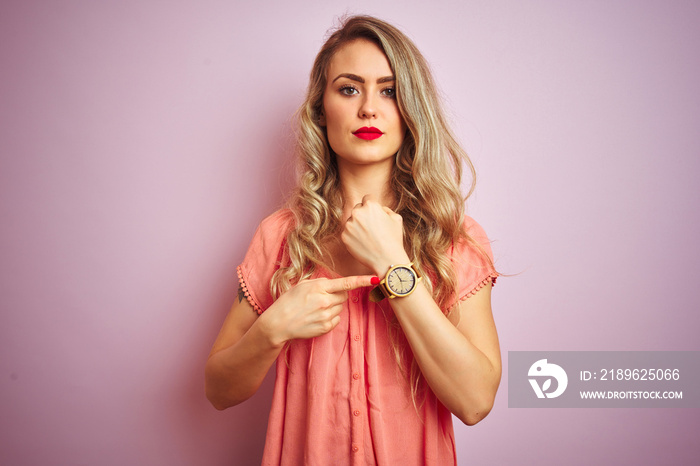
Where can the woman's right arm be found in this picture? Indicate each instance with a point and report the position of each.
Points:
(242, 354)
(248, 344)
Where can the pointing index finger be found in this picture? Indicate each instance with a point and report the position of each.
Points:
(335, 285)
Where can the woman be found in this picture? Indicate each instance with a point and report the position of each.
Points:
(372, 359)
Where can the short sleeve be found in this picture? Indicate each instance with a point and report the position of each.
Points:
(473, 262)
(263, 258)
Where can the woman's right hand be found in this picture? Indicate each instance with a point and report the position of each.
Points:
(310, 308)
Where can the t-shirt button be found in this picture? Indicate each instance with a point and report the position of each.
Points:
(355, 448)
(355, 376)
(355, 299)
(357, 337)
(356, 412)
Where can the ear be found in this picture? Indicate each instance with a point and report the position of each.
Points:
(322, 119)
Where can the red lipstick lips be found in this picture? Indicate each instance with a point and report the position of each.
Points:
(368, 133)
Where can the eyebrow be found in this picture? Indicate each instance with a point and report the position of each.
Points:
(360, 79)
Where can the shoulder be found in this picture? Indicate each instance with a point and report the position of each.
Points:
(472, 259)
(476, 237)
(472, 228)
(263, 258)
(281, 220)
(273, 229)
(267, 245)
(476, 240)
(281, 217)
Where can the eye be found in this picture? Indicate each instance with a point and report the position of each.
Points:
(389, 92)
(348, 90)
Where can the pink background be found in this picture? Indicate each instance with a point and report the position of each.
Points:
(142, 142)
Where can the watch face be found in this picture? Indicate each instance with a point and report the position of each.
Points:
(401, 280)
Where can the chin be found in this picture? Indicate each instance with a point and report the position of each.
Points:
(366, 160)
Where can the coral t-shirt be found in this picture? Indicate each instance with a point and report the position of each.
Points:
(341, 398)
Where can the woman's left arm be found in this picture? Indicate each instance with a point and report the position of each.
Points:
(458, 356)
(461, 361)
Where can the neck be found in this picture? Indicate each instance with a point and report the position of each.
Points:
(358, 181)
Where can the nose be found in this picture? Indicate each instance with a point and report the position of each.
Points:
(368, 107)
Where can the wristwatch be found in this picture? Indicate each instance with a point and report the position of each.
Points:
(399, 281)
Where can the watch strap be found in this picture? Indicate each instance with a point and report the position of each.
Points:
(377, 294)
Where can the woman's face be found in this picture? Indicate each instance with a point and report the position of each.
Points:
(361, 115)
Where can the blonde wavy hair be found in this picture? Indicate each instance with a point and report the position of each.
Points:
(425, 180)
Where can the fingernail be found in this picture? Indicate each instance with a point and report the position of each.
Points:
(375, 280)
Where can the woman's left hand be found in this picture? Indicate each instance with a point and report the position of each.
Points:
(374, 236)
